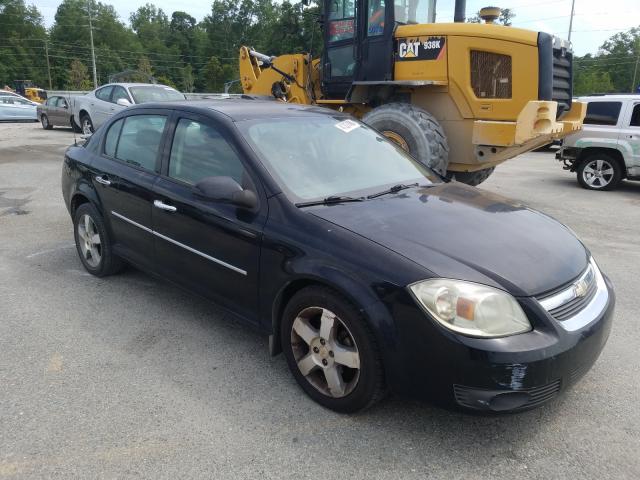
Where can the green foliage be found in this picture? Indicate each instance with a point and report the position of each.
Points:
(79, 76)
(506, 17)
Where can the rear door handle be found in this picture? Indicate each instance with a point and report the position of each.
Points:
(163, 206)
(103, 181)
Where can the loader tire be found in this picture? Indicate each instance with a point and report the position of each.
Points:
(471, 178)
(415, 130)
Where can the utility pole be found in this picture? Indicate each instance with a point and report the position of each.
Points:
(573, 5)
(635, 72)
(46, 52)
(93, 53)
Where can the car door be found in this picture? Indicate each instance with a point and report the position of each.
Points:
(124, 174)
(212, 248)
(117, 94)
(101, 106)
(629, 137)
(62, 112)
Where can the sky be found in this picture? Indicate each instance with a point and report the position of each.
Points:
(594, 21)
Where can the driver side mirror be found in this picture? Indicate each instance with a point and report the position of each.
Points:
(123, 102)
(225, 190)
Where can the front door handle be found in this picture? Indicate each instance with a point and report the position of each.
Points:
(163, 206)
(103, 180)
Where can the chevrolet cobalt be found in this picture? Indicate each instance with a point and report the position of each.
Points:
(369, 271)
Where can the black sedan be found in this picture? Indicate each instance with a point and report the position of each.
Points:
(369, 271)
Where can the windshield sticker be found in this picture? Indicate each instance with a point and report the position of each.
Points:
(347, 125)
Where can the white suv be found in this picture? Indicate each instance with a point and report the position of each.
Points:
(607, 149)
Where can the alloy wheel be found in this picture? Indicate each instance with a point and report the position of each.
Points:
(89, 241)
(325, 352)
(598, 173)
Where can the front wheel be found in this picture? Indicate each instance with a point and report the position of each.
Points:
(86, 124)
(330, 351)
(599, 171)
(45, 122)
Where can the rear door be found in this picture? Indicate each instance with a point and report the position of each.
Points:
(210, 247)
(124, 175)
(629, 138)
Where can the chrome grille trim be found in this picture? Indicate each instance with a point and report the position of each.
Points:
(579, 314)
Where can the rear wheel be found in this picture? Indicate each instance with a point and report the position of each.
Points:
(93, 242)
(599, 171)
(471, 178)
(45, 122)
(330, 350)
(413, 129)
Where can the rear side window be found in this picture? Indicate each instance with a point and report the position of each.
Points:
(199, 151)
(635, 116)
(104, 93)
(138, 140)
(602, 113)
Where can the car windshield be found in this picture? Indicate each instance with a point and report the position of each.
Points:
(315, 157)
(155, 93)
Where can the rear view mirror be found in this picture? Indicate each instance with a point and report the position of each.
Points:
(123, 102)
(226, 190)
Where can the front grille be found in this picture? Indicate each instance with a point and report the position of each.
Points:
(468, 396)
(491, 74)
(574, 306)
(562, 79)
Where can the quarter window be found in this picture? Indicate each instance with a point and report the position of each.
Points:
(138, 141)
(635, 116)
(199, 151)
(602, 113)
(104, 93)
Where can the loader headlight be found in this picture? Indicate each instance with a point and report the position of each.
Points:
(470, 308)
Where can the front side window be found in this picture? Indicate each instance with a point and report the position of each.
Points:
(118, 93)
(324, 156)
(104, 93)
(375, 16)
(341, 20)
(635, 116)
(61, 102)
(199, 150)
(139, 140)
(602, 113)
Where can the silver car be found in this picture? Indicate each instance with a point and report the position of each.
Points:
(15, 107)
(93, 109)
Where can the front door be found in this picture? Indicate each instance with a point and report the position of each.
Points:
(212, 248)
(339, 62)
(124, 175)
(630, 137)
(376, 49)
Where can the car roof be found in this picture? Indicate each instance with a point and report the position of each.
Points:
(129, 85)
(243, 108)
(609, 97)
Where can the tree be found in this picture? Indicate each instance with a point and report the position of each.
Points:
(79, 76)
(187, 79)
(213, 72)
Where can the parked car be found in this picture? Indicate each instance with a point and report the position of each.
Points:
(55, 111)
(366, 268)
(14, 107)
(93, 109)
(607, 149)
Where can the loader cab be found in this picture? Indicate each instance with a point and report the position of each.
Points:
(358, 40)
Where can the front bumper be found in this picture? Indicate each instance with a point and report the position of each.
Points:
(504, 374)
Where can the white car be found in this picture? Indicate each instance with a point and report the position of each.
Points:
(93, 109)
(14, 107)
(607, 149)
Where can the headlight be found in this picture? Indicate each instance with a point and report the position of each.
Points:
(470, 308)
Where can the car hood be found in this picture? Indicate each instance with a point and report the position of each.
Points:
(457, 231)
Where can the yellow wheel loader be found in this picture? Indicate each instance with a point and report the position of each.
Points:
(460, 97)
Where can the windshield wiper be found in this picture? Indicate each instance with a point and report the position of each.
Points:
(332, 200)
(394, 189)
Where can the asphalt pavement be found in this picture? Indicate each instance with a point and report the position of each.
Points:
(127, 377)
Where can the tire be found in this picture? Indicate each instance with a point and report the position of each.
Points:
(76, 128)
(350, 340)
(86, 125)
(96, 255)
(44, 120)
(415, 130)
(599, 171)
(471, 178)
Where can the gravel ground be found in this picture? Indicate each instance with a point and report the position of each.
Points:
(128, 377)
